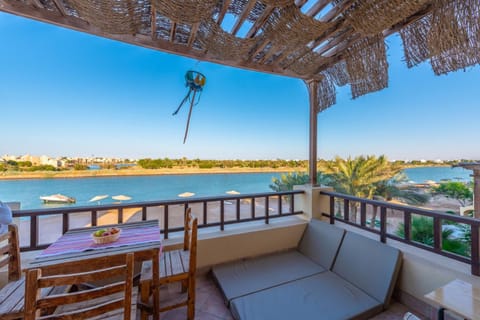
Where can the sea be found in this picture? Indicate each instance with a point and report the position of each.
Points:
(167, 187)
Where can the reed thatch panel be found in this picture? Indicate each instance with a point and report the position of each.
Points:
(288, 27)
(414, 38)
(187, 11)
(304, 62)
(223, 45)
(338, 73)
(454, 39)
(238, 6)
(367, 66)
(113, 16)
(327, 95)
(371, 17)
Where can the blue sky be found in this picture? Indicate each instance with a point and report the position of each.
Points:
(67, 93)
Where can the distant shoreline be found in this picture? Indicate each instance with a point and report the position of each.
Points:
(135, 172)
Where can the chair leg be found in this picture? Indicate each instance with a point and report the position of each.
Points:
(144, 296)
(191, 298)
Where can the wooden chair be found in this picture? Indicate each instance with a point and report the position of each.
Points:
(11, 295)
(108, 301)
(175, 266)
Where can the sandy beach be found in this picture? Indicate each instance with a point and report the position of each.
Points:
(50, 226)
(8, 175)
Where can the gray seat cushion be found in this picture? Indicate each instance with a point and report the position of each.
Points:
(321, 242)
(322, 296)
(369, 265)
(251, 275)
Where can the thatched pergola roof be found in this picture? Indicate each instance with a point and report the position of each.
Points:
(334, 42)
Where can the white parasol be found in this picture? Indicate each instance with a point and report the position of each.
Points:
(121, 197)
(98, 198)
(186, 194)
(233, 192)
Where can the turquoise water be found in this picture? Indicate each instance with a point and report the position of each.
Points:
(151, 188)
(437, 174)
(139, 188)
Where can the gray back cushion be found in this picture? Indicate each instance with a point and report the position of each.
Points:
(321, 242)
(368, 264)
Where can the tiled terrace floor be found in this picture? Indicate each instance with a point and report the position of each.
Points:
(210, 306)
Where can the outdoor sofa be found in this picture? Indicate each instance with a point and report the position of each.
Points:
(333, 274)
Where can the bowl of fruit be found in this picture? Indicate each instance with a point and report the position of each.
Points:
(106, 235)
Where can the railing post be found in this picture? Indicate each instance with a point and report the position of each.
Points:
(267, 213)
(237, 209)
(332, 210)
(407, 225)
(346, 209)
(475, 250)
(292, 203)
(252, 208)
(205, 212)
(93, 218)
(437, 234)
(165, 222)
(65, 222)
(33, 231)
(144, 213)
(363, 214)
(280, 211)
(222, 215)
(120, 215)
(383, 224)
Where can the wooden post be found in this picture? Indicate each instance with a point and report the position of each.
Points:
(312, 159)
(476, 193)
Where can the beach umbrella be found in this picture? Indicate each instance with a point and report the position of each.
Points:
(186, 194)
(121, 198)
(98, 198)
(232, 192)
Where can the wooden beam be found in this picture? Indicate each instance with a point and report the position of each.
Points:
(269, 54)
(312, 86)
(223, 12)
(60, 7)
(37, 4)
(300, 3)
(154, 23)
(260, 22)
(193, 33)
(243, 16)
(330, 15)
(317, 7)
(172, 31)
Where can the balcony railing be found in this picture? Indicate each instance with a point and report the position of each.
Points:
(344, 208)
(211, 211)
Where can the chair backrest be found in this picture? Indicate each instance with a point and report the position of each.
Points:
(10, 252)
(187, 228)
(192, 243)
(72, 305)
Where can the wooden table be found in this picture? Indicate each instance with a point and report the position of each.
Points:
(89, 250)
(85, 249)
(459, 297)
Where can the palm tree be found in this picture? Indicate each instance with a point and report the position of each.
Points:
(358, 176)
(422, 231)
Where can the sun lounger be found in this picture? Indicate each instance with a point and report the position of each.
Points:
(357, 281)
(315, 253)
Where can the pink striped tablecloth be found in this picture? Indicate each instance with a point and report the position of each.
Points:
(82, 241)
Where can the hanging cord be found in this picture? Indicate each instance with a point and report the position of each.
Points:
(187, 97)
